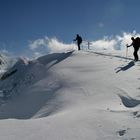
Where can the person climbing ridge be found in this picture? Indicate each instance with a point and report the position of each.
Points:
(79, 41)
(136, 44)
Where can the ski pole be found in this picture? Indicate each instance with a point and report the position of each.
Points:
(126, 52)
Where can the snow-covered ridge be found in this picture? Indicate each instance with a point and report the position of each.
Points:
(72, 96)
(25, 72)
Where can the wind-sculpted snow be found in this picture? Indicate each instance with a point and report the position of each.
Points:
(23, 82)
(73, 96)
(52, 59)
(129, 102)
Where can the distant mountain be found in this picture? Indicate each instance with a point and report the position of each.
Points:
(12, 73)
(6, 62)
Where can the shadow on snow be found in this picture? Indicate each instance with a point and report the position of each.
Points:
(126, 67)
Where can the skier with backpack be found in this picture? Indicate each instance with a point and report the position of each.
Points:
(79, 41)
(136, 44)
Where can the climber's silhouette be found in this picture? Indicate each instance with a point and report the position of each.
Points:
(136, 44)
(79, 40)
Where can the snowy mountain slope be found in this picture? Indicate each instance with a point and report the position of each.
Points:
(73, 96)
(6, 62)
(26, 76)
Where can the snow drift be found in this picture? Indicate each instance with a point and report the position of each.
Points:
(73, 96)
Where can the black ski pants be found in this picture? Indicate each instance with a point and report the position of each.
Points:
(136, 57)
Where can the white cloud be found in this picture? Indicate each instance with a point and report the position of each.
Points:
(38, 43)
(49, 45)
(126, 38)
(118, 42)
(56, 46)
(104, 43)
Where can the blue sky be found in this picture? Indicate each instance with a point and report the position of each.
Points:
(22, 21)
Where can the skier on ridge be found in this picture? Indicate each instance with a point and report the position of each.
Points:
(79, 41)
(136, 44)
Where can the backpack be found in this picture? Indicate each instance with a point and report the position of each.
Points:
(138, 41)
(80, 39)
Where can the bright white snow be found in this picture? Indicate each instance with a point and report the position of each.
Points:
(72, 96)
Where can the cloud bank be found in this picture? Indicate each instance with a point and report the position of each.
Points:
(47, 45)
(117, 42)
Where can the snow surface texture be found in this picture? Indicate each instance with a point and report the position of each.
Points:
(72, 96)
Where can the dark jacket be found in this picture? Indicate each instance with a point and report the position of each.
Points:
(78, 39)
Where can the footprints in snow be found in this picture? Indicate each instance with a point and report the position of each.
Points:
(136, 114)
(128, 102)
(123, 132)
